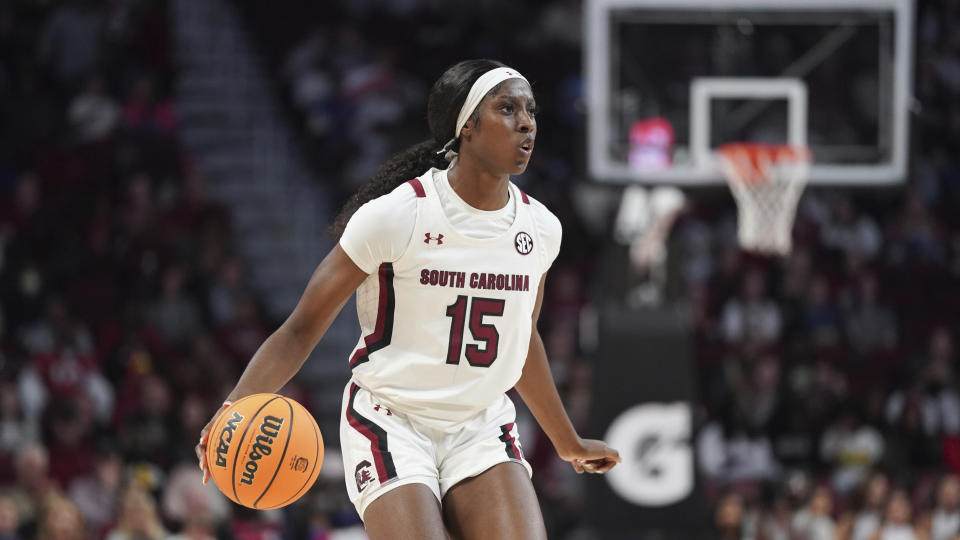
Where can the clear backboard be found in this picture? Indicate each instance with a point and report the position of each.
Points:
(669, 81)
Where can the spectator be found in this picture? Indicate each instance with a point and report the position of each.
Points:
(138, 518)
(146, 113)
(191, 410)
(69, 423)
(940, 347)
(15, 430)
(206, 366)
(192, 211)
(21, 213)
(728, 519)
(227, 290)
(868, 517)
(197, 526)
(752, 317)
(312, 88)
(72, 41)
(797, 276)
(33, 486)
(63, 363)
(730, 451)
(916, 235)
(307, 55)
(793, 434)
(242, 336)
(58, 328)
(175, 314)
(870, 325)
(896, 519)
(96, 494)
(851, 447)
(852, 233)
(249, 524)
(821, 318)
(9, 519)
(909, 443)
(560, 23)
(865, 515)
(941, 404)
(775, 523)
(813, 522)
(93, 114)
(144, 435)
(945, 521)
(931, 401)
(138, 216)
(61, 520)
(184, 495)
(757, 390)
(726, 280)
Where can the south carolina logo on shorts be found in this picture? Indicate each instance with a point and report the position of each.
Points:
(523, 243)
(362, 475)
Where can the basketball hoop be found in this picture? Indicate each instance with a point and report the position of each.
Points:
(766, 181)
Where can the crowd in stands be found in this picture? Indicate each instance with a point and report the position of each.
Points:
(126, 313)
(827, 380)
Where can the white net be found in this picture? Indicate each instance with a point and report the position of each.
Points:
(766, 181)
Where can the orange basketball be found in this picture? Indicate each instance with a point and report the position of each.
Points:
(265, 451)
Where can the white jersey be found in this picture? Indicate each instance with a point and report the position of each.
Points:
(446, 319)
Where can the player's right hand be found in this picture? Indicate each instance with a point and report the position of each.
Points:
(591, 456)
(201, 448)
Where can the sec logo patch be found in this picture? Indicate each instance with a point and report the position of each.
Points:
(523, 243)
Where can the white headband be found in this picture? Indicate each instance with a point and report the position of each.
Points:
(478, 91)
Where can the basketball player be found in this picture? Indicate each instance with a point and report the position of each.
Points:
(448, 259)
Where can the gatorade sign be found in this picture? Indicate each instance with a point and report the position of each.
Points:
(654, 441)
(643, 406)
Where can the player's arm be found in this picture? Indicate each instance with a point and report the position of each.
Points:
(539, 392)
(283, 353)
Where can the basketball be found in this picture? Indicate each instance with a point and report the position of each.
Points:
(265, 451)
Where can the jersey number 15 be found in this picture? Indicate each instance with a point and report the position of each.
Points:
(482, 332)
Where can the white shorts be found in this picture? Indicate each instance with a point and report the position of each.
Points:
(384, 449)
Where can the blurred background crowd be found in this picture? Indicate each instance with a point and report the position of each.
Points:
(829, 405)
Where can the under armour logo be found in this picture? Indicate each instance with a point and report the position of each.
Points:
(438, 238)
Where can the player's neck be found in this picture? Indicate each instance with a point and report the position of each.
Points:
(479, 188)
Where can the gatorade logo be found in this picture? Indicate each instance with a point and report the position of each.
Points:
(654, 440)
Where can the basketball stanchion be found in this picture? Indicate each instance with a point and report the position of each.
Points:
(766, 181)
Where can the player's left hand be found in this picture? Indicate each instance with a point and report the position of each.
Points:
(592, 456)
(201, 448)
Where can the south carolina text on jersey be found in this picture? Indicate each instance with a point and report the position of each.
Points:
(478, 280)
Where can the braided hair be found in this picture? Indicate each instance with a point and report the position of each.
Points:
(446, 98)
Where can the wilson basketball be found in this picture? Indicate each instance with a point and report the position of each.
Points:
(265, 451)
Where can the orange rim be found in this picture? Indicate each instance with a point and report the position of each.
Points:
(751, 162)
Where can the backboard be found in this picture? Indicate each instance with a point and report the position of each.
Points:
(668, 81)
